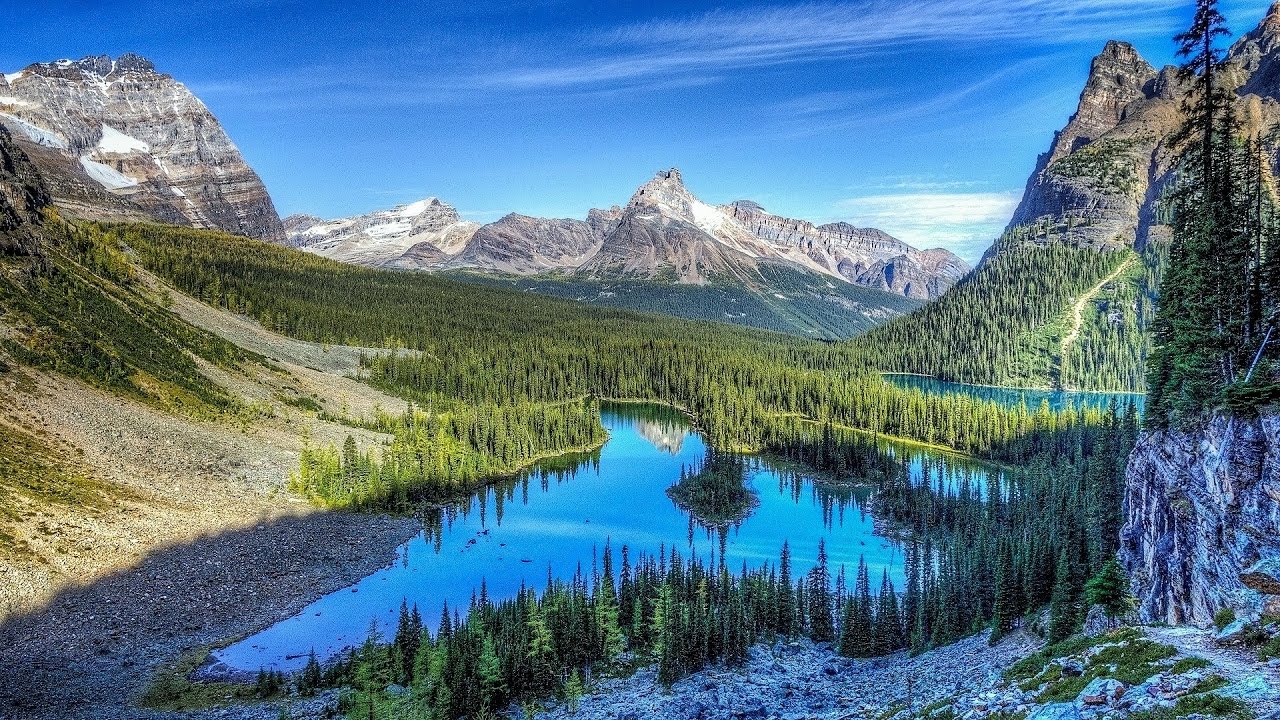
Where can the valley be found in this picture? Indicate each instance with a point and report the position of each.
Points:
(677, 459)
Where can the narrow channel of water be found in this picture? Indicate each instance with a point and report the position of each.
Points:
(1012, 397)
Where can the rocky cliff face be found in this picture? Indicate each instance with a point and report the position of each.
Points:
(1100, 183)
(1092, 187)
(23, 196)
(119, 140)
(664, 232)
(527, 245)
(1202, 528)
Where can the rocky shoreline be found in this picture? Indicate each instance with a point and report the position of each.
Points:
(93, 650)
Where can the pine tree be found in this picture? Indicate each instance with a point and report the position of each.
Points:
(1062, 610)
(489, 673)
(1006, 607)
(786, 621)
(1110, 589)
(821, 623)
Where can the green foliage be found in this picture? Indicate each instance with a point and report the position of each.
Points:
(1209, 705)
(811, 306)
(1224, 617)
(1114, 338)
(1218, 304)
(1187, 664)
(1110, 589)
(1131, 662)
(1110, 163)
(715, 492)
(85, 313)
(1050, 521)
(534, 646)
(464, 345)
(1032, 665)
(1270, 649)
(440, 455)
(992, 327)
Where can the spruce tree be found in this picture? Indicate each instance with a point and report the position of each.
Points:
(821, 623)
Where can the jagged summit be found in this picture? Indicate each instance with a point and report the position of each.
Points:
(663, 231)
(102, 66)
(666, 191)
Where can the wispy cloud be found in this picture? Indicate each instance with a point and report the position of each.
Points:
(729, 39)
(964, 223)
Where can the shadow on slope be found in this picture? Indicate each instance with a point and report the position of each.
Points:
(94, 649)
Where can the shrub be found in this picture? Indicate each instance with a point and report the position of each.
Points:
(1223, 618)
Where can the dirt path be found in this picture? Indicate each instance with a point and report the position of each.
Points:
(1077, 310)
(1235, 664)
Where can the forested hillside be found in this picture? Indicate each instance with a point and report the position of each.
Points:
(786, 300)
(1014, 320)
(464, 344)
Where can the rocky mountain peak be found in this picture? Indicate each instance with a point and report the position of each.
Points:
(94, 66)
(1256, 53)
(1118, 76)
(118, 140)
(666, 191)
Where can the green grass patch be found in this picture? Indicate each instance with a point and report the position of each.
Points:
(1223, 618)
(1205, 704)
(1187, 664)
(1126, 656)
(172, 689)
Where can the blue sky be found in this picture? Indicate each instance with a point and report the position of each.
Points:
(922, 117)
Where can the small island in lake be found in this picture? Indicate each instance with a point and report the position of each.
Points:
(716, 494)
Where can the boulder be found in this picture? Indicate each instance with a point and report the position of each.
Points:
(1252, 690)
(1230, 634)
(1263, 576)
(1100, 692)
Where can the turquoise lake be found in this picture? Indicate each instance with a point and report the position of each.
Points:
(558, 517)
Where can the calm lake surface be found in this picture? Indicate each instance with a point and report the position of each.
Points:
(1012, 397)
(558, 518)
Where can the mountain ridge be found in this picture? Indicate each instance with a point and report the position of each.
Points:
(663, 232)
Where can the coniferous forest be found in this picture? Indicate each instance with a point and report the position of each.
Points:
(986, 517)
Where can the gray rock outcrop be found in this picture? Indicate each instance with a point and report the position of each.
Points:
(23, 196)
(1202, 528)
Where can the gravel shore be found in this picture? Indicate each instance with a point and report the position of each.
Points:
(93, 650)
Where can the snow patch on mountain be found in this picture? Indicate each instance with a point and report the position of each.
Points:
(35, 133)
(114, 141)
(106, 176)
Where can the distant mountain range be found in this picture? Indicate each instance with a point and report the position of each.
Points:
(663, 233)
(118, 141)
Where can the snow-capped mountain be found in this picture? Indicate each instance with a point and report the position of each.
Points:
(663, 232)
(372, 239)
(116, 139)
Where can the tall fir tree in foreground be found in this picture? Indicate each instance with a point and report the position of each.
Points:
(1217, 305)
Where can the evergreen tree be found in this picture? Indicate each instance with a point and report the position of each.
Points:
(821, 623)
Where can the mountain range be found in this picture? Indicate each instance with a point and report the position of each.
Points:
(116, 140)
(663, 232)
